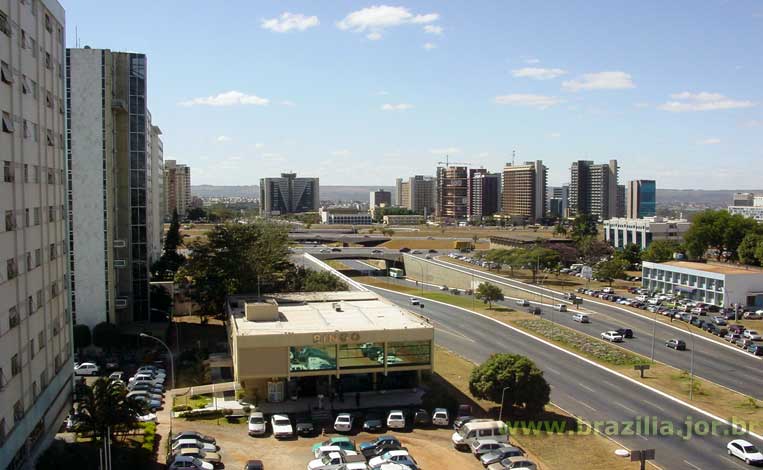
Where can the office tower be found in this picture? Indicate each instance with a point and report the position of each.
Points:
(380, 197)
(399, 192)
(418, 194)
(484, 193)
(642, 199)
(743, 200)
(177, 188)
(620, 201)
(35, 320)
(593, 189)
(524, 191)
(115, 191)
(452, 193)
(288, 195)
(558, 201)
(156, 197)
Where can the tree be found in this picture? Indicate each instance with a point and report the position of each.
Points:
(593, 250)
(719, 231)
(560, 229)
(301, 279)
(660, 251)
(196, 213)
(610, 270)
(106, 406)
(105, 335)
(539, 259)
(160, 299)
(631, 254)
(568, 254)
(750, 249)
(584, 226)
(489, 293)
(164, 268)
(82, 336)
(524, 383)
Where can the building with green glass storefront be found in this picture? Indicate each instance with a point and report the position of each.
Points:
(320, 343)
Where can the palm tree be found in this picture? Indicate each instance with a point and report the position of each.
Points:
(106, 406)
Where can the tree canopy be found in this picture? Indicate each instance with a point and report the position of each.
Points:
(106, 405)
(584, 226)
(106, 335)
(82, 336)
(719, 231)
(660, 251)
(610, 270)
(164, 268)
(524, 382)
(488, 293)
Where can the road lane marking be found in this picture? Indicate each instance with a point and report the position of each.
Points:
(691, 465)
(584, 404)
(626, 407)
(642, 437)
(439, 327)
(553, 371)
(587, 387)
(654, 405)
(735, 461)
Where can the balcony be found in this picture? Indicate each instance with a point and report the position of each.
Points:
(119, 106)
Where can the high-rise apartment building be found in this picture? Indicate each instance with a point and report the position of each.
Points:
(620, 201)
(524, 191)
(417, 194)
(380, 197)
(452, 193)
(593, 189)
(289, 195)
(177, 188)
(115, 191)
(35, 319)
(558, 201)
(641, 199)
(484, 190)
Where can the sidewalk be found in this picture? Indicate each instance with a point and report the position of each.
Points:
(163, 429)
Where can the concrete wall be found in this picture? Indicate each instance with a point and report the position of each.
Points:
(443, 276)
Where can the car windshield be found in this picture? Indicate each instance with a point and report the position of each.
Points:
(283, 422)
(395, 416)
(343, 419)
(750, 449)
(256, 420)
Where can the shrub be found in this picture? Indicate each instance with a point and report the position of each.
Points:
(179, 408)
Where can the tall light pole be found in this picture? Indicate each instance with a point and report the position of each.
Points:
(172, 370)
(500, 413)
(654, 330)
(691, 367)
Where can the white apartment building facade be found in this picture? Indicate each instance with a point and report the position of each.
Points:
(621, 231)
(35, 321)
(750, 206)
(331, 216)
(177, 188)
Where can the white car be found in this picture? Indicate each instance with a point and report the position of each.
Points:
(86, 368)
(612, 337)
(343, 422)
(581, 318)
(440, 417)
(332, 458)
(147, 394)
(257, 424)
(560, 307)
(193, 443)
(751, 334)
(744, 450)
(401, 457)
(147, 418)
(414, 301)
(396, 419)
(281, 426)
(183, 461)
(523, 302)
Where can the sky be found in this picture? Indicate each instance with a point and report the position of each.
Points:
(359, 93)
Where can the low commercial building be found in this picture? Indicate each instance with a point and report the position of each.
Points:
(403, 219)
(753, 212)
(344, 216)
(620, 232)
(722, 285)
(308, 344)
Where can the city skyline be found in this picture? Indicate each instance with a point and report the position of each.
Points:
(333, 90)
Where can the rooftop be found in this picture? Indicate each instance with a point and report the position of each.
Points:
(315, 312)
(716, 268)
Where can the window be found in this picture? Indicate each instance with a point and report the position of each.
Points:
(48, 23)
(312, 358)
(12, 270)
(15, 365)
(18, 411)
(23, 39)
(7, 123)
(34, 390)
(13, 317)
(51, 176)
(27, 133)
(30, 305)
(26, 218)
(2, 421)
(37, 257)
(37, 216)
(61, 106)
(5, 73)
(32, 351)
(29, 265)
(36, 135)
(408, 353)
(10, 221)
(24, 85)
(7, 169)
(41, 344)
(5, 26)
(48, 61)
(34, 7)
(40, 299)
(52, 250)
(54, 293)
(51, 212)
(51, 141)
(48, 99)
(35, 89)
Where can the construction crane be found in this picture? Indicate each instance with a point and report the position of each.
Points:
(447, 162)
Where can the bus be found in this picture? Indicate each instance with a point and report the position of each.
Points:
(396, 273)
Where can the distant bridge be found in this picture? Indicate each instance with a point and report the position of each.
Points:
(344, 238)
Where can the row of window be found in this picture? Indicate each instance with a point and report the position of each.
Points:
(33, 261)
(30, 130)
(10, 169)
(30, 87)
(32, 218)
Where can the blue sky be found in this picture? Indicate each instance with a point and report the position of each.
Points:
(359, 93)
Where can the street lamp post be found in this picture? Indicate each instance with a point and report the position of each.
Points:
(172, 370)
(500, 413)
(654, 330)
(691, 366)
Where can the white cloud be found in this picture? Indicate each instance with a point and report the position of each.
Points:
(429, 46)
(228, 98)
(538, 73)
(396, 106)
(445, 151)
(600, 81)
(223, 138)
(341, 153)
(710, 141)
(288, 103)
(533, 101)
(702, 101)
(375, 19)
(433, 29)
(290, 21)
(235, 158)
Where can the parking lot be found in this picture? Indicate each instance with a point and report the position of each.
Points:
(431, 447)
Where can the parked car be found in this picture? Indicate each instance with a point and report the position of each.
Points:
(193, 444)
(753, 315)
(720, 321)
(281, 426)
(374, 422)
(523, 302)
(581, 318)
(625, 332)
(86, 368)
(333, 458)
(396, 419)
(304, 426)
(343, 422)
(396, 456)
(751, 334)
(370, 448)
(343, 442)
(612, 337)
(440, 417)
(422, 418)
(194, 435)
(743, 342)
(743, 450)
(560, 307)
(151, 404)
(188, 462)
(257, 424)
(736, 328)
(500, 454)
(484, 446)
(212, 457)
(677, 344)
(254, 465)
(414, 301)
(146, 394)
(755, 349)
(732, 337)
(512, 463)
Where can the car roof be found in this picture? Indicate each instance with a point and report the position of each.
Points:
(440, 409)
(485, 441)
(741, 442)
(279, 416)
(257, 413)
(397, 452)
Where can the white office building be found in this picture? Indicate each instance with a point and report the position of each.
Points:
(621, 231)
(753, 212)
(722, 285)
(341, 216)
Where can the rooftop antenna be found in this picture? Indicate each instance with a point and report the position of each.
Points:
(513, 157)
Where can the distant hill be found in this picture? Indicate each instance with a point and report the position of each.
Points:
(344, 193)
(699, 197)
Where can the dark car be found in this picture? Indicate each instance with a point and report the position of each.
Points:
(194, 435)
(335, 250)
(379, 445)
(305, 426)
(534, 310)
(254, 465)
(422, 418)
(432, 250)
(461, 420)
(677, 344)
(697, 322)
(374, 422)
(404, 250)
(625, 332)
(755, 349)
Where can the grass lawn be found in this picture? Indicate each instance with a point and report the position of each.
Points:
(194, 401)
(338, 265)
(549, 450)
